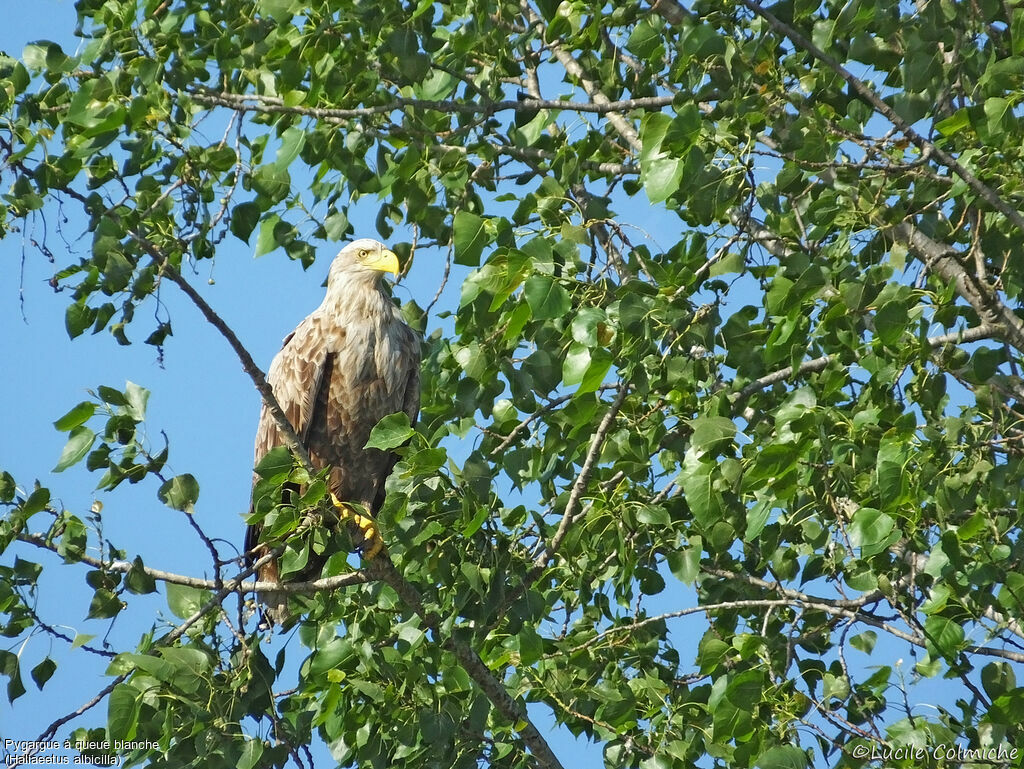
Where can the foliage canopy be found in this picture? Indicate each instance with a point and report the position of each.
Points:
(789, 421)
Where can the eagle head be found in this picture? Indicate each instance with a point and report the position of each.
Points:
(363, 260)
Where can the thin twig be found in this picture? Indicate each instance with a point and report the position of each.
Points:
(581, 482)
(818, 364)
(269, 104)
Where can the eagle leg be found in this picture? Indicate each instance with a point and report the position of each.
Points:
(370, 542)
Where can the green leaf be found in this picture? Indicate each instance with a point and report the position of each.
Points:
(79, 444)
(697, 488)
(712, 433)
(600, 364)
(469, 237)
(180, 492)
(35, 503)
(78, 317)
(644, 40)
(77, 416)
(891, 321)
(685, 563)
(137, 397)
(943, 637)
(649, 581)
(244, 218)
(653, 515)
(663, 177)
(731, 702)
(278, 10)
(336, 225)
(9, 665)
(586, 324)
(269, 231)
(137, 580)
(865, 641)
(872, 531)
(185, 601)
(123, 712)
(292, 142)
(81, 639)
(34, 56)
(390, 432)
(250, 754)
(662, 155)
(892, 480)
(105, 604)
(276, 463)
(111, 396)
(576, 363)
(546, 297)
(782, 757)
(998, 679)
(530, 645)
(42, 672)
(8, 488)
(757, 517)
(294, 559)
(955, 123)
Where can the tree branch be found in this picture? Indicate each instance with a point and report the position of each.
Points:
(123, 567)
(270, 105)
(600, 103)
(383, 568)
(866, 94)
(580, 485)
(671, 11)
(852, 610)
(248, 364)
(167, 640)
(975, 334)
(941, 259)
(547, 407)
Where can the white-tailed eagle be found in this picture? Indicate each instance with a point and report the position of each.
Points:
(352, 361)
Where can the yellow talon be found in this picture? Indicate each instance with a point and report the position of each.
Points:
(368, 539)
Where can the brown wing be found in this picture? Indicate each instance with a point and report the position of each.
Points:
(409, 357)
(296, 376)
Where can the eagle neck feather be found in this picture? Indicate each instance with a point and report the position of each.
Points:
(371, 331)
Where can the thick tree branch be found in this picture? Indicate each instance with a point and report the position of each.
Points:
(383, 568)
(600, 103)
(944, 262)
(671, 11)
(938, 257)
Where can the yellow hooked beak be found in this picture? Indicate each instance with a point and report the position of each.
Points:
(385, 261)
